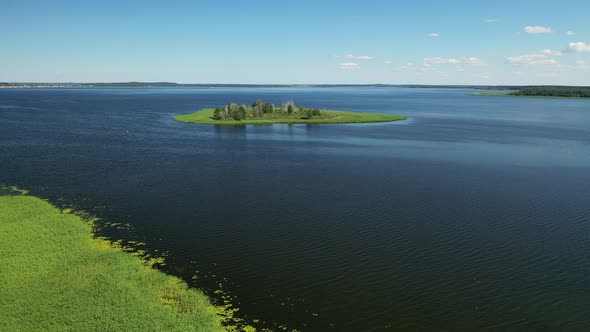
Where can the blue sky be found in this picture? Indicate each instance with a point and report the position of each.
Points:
(399, 42)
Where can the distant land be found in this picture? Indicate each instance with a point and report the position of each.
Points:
(545, 92)
(225, 85)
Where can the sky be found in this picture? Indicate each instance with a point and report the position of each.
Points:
(296, 42)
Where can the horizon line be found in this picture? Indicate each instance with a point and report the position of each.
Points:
(161, 83)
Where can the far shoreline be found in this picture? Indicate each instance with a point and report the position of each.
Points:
(523, 96)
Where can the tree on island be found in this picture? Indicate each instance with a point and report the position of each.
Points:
(218, 114)
(240, 114)
(268, 108)
(258, 104)
(264, 110)
(285, 105)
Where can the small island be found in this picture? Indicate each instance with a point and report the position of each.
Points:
(266, 113)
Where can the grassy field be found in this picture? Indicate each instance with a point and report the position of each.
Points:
(56, 277)
(328, 117)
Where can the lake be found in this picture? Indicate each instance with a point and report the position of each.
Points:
(471, 215)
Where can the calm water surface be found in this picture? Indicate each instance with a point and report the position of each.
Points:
(472, 215)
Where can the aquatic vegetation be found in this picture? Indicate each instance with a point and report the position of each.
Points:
(13, 189)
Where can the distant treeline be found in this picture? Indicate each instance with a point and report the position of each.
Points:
(226, 85)
(221, 85)
(556, 91)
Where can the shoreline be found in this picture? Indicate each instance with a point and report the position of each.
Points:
(519, 96)
(57, 275)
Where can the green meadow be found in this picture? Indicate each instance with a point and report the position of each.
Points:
(57, 277)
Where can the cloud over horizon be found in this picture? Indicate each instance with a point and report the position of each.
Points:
(542, 57)
(350, 66)
(464, 61)
(355, 57)
(579, 47)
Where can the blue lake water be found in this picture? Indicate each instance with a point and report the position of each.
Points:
(471, 215)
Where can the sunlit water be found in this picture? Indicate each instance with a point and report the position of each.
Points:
(471, 215)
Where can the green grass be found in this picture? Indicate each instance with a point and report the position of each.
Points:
(328, 117)
(56, 277)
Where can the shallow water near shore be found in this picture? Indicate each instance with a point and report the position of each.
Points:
(470, 215)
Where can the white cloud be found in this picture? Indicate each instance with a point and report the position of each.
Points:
(569, 33)
(428, 69)
(549, 52)
(537, 30)
(463, 61)
(473, 61)
(537, 58)
(387, 62)
(407, 66)
(580, 62)
(350, 66)
(491, 20)
(579, 47)
(434, 34)
(545, 62)
(439, 61)
(356, 57)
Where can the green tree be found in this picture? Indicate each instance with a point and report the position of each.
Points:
(308, 113)
(258, 104)
(218, 113)
(243, 110)
(240, 114)
(316, 112)
(290, 109)
(256, 113)
(285, 105)
(232, 109)
(268, 108)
